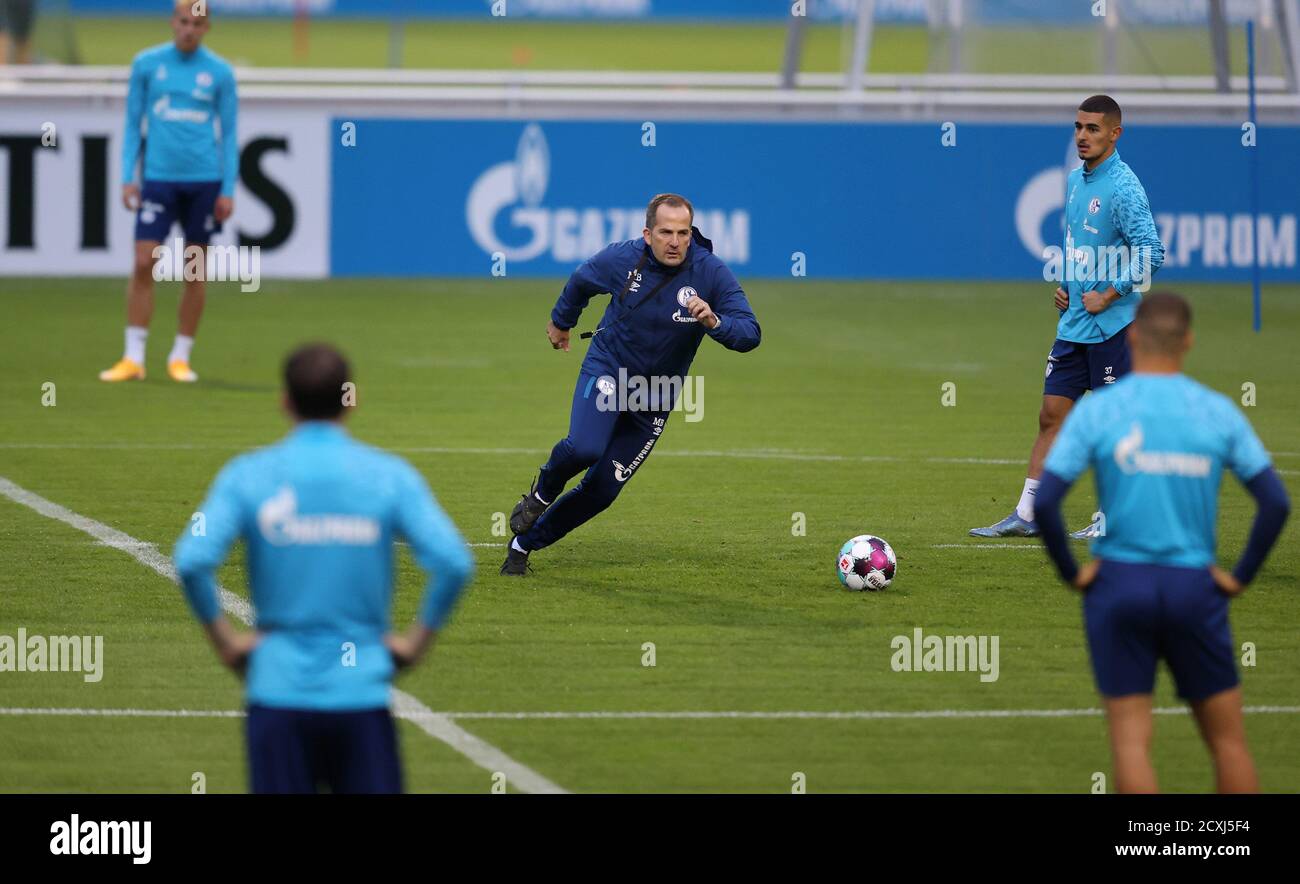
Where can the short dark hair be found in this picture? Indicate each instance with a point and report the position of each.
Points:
(666, 199)
(314, 375)
(1104, 105)
(1162, 322)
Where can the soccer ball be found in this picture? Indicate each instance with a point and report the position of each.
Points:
(867, 562)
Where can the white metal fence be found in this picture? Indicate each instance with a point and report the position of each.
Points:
(508, 93)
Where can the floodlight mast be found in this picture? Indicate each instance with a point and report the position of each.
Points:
(1110, 38)
(793, 48)
(1288, 18)
(1219, 45)
(861, 44)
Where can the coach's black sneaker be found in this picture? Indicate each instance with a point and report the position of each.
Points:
(527, 511)
(516, 563)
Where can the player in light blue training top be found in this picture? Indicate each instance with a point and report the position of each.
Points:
(1111, 251)
(181, 103)
(1158, 443)
(319, 513)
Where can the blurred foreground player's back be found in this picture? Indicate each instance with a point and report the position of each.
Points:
(319, 513)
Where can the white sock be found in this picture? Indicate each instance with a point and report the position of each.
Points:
(1025, 509)
(135, 338)
(514, 544)
(181, 349)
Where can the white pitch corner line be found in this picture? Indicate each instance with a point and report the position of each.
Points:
(405, 706)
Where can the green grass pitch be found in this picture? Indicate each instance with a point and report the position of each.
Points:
(697, 556)
(614, 45)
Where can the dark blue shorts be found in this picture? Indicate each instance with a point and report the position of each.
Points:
(297, 751)
(164, 203)
(1136, 615)
(1074, 368)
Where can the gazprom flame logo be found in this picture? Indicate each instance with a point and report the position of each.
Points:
(522, 180)
(1127, 447)
(532, 165)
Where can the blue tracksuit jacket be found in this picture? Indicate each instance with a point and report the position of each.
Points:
(658, 338)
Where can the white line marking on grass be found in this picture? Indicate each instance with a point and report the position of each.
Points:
(1038, 546)
(404, 543)
(128, 713)
(114, 446)
(851, 715)
(440, 726)
(406, 706)
(757, 454)
(786, 455)
(737, 454)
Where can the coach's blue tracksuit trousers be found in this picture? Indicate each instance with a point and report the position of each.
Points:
(610, 445)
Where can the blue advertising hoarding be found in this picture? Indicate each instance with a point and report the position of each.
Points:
(857, 201)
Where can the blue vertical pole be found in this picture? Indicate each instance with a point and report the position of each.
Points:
(1254, 174)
